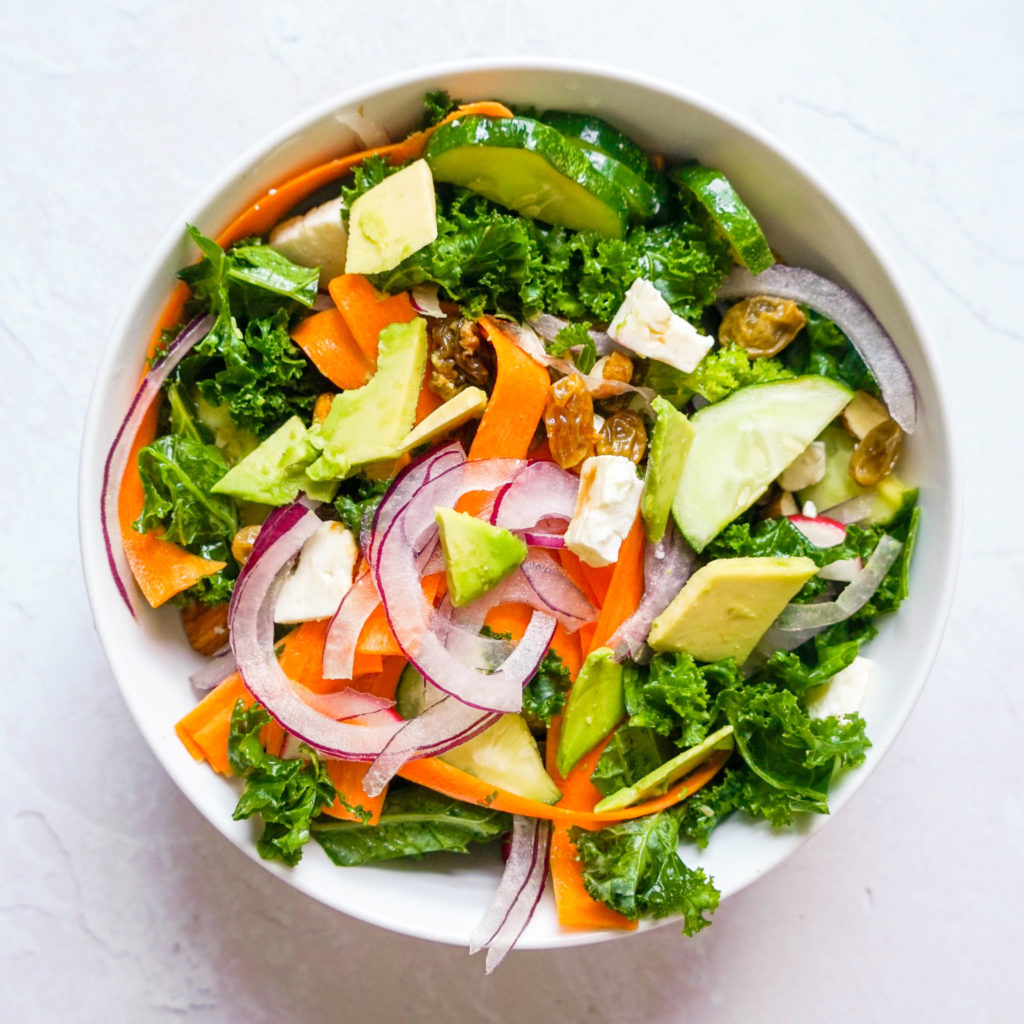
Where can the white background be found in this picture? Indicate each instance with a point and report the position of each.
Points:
(118, 902)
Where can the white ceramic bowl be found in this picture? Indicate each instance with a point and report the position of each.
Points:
(441, 898)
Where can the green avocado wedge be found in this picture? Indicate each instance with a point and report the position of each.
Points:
(731, 216)
(657, 782)
(595, 706)
(505, 754)
(477, 555)
(742, 443)
(528, 167)
(670, 441)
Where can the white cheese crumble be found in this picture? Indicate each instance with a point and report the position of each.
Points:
(645, 324)
(321, 578)
(606, 506)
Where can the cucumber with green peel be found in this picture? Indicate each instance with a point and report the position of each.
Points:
(890, 495)
(597, 134)
(504, 755)
(531, 168)
(742, 443)
(617, 157)
(731, 216)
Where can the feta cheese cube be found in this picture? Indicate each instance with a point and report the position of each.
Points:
(314, 239)
(807, 469)
(645, 324)
(321, 578)
(606, 506)
(844, 693)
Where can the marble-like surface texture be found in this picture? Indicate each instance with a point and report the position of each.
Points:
(118, 902)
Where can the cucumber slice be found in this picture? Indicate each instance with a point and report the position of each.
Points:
(504, 755)
(596, 134)
(617, 157)
(741, 444)
(528, 167)
(891, 495)
(731, 216)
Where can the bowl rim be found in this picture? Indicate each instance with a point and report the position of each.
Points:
(94, 445)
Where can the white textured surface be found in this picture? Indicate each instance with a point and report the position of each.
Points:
(118, 902)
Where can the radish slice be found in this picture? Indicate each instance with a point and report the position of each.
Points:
(853, 510)
(424, 300)
(667, 566)
(821, 531)
(851, 315)
(251, 622)
(799, 622)
(842, 570)
(518, 893)
(117, 458)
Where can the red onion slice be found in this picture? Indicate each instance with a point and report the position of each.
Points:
(343, 705)
(444, 724)
(518, 893)
(851, 315)
(412, 618)
(799, 622)
(540, 490)
(215, 671)
(358, 604)
(117, 458)
(667, 566)
(251, 622)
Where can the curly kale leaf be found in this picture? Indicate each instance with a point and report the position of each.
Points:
(674, 696)
(414, 821)
(248, 361)
(544, 695)
(822, 348)
(788, 749)
(437, 106)
(177, 473)
(634, 867)
(487, 258)
(358, 498)
(286, 793)
(631, 753)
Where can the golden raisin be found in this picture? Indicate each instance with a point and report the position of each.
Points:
(458, 357)
(241, 546)
(875, 455)
(569, 419)
(762, 325)
(623, 433)
(322, 406)
(206, 627)
(617, 366)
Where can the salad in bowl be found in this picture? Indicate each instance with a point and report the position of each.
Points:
(517, 495)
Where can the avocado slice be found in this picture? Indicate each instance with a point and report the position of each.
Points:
(477, 555)
(670, 441)
(596, 705)
(392, 221)
(657, 782)
(726, 606)
(275, 471)
(505, 754)
(466, 405)
(367, 424)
